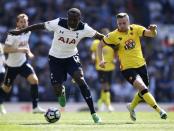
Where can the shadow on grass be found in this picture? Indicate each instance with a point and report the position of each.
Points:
(24, 123)
(72, 123)
(86, 123)
(34, 124)
(118, 123)
(103, 123)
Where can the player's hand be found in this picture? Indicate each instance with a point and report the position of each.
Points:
(152, 27)
(15, 32)
(102, 64)
(30, 54)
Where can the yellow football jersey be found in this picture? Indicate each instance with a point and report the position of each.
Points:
(108, 54)
(129, 52)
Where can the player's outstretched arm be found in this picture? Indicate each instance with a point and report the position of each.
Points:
(100, 54)
(98, 36)
(10, 49)
(151, 31)
(39, 26)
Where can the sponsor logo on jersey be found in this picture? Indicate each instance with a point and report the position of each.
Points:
(67, 40)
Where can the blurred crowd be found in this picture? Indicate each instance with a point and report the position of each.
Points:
(159, 52)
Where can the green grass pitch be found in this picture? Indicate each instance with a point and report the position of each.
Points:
(81, 121)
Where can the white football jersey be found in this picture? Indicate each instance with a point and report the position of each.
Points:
(17, 59)
(65, 40)
(2, 59)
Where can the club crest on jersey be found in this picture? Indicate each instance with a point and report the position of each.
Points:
(77, 35)
(129, 44)
(61, 32)
(22, 44)
(67, 40)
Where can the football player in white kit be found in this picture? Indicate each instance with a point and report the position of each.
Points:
(18, 50)
(2, 73)
(63, 55)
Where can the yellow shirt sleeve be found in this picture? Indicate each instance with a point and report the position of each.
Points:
(140, 30)
(110, 38)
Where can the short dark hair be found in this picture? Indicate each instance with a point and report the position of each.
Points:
(74, 11)
(122, 15)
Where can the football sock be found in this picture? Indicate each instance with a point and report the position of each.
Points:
(102, 97)
(100, 100)
(107, 98)
(2, 95)
(34, 95)
(87, 96)
(149, 99)
(136, 100)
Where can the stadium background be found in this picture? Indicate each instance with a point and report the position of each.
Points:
(159, 52)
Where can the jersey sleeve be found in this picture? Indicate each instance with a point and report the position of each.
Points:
(29, 33)
(140, 30)
(94, 45)
(10, 39)
(89, 32)
(110, 39)
(51, 25)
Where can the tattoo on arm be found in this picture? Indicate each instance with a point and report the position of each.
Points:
(39, 26)
(98, 36)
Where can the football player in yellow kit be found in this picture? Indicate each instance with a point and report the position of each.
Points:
(132, 63)
(104, 74)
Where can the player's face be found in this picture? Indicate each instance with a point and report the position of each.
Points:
(22, 22)
(123, 24)
(73, 21)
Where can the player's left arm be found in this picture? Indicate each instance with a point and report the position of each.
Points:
(151, 31)
(98, 36)
(92, 33)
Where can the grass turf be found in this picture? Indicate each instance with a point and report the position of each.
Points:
(71, 121)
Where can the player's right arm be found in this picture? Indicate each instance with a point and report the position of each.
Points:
(8, 47)
(109, 40)
(93, 50)
(100, 54)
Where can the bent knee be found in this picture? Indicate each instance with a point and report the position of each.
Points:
(35, 81)
(32, 79)
(139, 85)
(6, 88)
(80, 81)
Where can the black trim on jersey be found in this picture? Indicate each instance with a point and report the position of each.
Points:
(131, 28)
(143, 32)
(104, 42)
(144, 91)
(63, 22)
(113, 46)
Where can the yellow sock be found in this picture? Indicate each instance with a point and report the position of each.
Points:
(136, 100)
(101, 99)
(149, 99)
(102, 96)
(107, 98)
